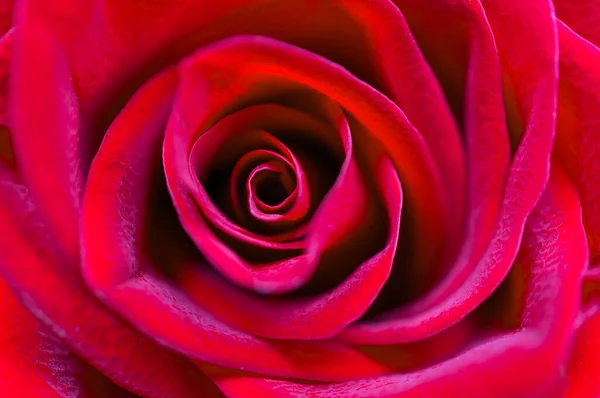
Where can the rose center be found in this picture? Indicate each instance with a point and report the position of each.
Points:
(271, 188)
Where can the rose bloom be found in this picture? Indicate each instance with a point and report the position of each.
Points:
(300, 198)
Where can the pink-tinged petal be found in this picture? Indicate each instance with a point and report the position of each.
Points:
(114, 29)
(463, 376)
(35, 363)
(316, 317)
(342, 210)
(369, 38)
(278, 177)
(60, 299)
(6, 15)
(483, 123)
(550, 263)
(535, 85)
(7, 157)
(582, 16)
(270, 169)
(584, 364)
(49, 285)
(213, 75)
(117, 265)
(486, 136)
(162, 311)
(110, 56)
(488, 150)
(411, 84)
(441, 31)
(57, 296)
(230, 140)
(577, 141)
(578, 147)
(129, 154)
(46, 146)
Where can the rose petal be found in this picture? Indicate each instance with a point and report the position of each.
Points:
(578, 122)
(266, 176)
(58, 297)
(220, 141)
(584, 362)
(35, 363)
(295, 202)
(582, 16)
(50, 168)
(553, 257)
(438, 26)
(110, 56)
(341, 211)
(6, 15)
(7, 156)
(264, 57)
(459, 293)
(441, 31)
(413, 86)
(486, 135)
(117, 266)
(577, 146)
(312, 318)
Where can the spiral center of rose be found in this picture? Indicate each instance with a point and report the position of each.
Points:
(270, 187)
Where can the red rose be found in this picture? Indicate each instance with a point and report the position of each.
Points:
(349, 198)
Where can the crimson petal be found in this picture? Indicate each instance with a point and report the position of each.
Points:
(581, 16)
(553, 256)
(577, 126)
(318, 317)
(472, 281)
(260, 55)
(117, 268)
(57, 295)
(221, 138)
(35, 363)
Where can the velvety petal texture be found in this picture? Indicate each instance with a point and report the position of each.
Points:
(331, 198)
(36, 363)
(577, 146)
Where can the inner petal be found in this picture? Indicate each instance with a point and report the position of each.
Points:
(339, 213)
(285, 132)
(212, 160)
(472, 280)
(124, 266)
(269, 190)
(270, 186)
(310, 316)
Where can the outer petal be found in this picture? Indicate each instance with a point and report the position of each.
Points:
(59, 298)
(578, 142)
(35, 363)
(578, 147)
(472, 280)
(584, 365)
(583, 16)
(46, 146)
(50, 287)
